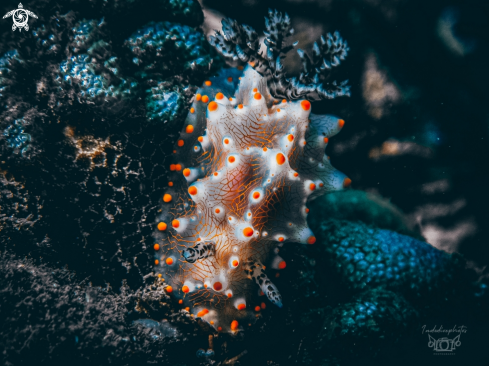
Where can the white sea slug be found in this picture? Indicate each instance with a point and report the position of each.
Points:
(245, 166)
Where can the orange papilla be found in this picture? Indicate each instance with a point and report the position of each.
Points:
(185, 289)
(202, 312)
(290, 137)
(170, 184)
(265, 149)
(240, 106)
(219, 329)
(263, 305)
(321, 184)
(212, 106)
(167, 198)
(219, 96)
(231, 159)
(217, 211)
(346, 182)
(241, 306)
(307, 210)
(186, 172)
(162, 226)
(156, 247)
(208, 83)
(172, 167)
(311, 240)
(280, 158)
(217, 286)
(226, 141)
(157, 262)
(205, 98)
(230, 79)
(187, 308)
(192, 190)
(235, 263)
(326, 140)
(198, 97)
(234, 325)
(257, 96)
(312, 186)
(282, 265)
(175, 223)
(306, 105)
(230, 295)
(178, 167)
(341, 123)
(255, 90)
(169, 261)
(278, 109)
(192, 110)
(201, 139)
(248, 231)
(281, 238)
(296, 174)
(169, 289)
(256, 195)
(189, 128)
(216, 174)
(284, 101)
(180, 301)
(257, 308)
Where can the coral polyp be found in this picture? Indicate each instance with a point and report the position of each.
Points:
(245, 166)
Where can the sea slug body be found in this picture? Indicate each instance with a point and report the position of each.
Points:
(245, 165)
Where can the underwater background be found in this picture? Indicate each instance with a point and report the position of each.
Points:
(89, 117)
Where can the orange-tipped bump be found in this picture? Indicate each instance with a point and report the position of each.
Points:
(346, 182)
(162, 226)
(282, 265)
(169, 261)
(234, 325)
(235, 263)
(312, 186)
(218, 286)
(257, 96)
(248, 232)
(241, 306)
(202, 313)
(156, 247)
(219, 96)
(169, 289)
(198, 97)
(208, 83)
(306, 105)
(180, 143)
(175, 223)
(290, 137)
(341, 123)
(189, 128)
(212, 106)
(167, 198)
(280, 158)
(311, 240)
(205, 98)
(192, 190)
(231, 159)
(256, 195)
(186, 172)
(185, 289)
(257, 308)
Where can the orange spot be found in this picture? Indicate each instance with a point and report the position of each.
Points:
(230, 218)
(169, 289)
(219, 329)
(235, 263)
(201, 139)
(217, 210)
(230, 79)
(180, 301)
(241, 306)
(257, 308)
(265, 149)
(280, 158)
(281, 238)
(261, 293)
(159, 275)
(282, 265)
(326, 140)
(312, 186)
(304, 143)
(311, 240)
(290, 137)
(175, 223)
(208, 83)
(278, 109)
(255, 90)
(284, 101)
(321, 184)
(230, 295)
(172, 167)
(249, 214)
(230, 99)
(217, 286)
(157, 262)
(211, 322)
(234, 325)
(263, 305)
(198, 97)
(202, 312)
(205, 285)
(307, 210)
(212, 106)
(189, 128)
(341, 123)
(216, 174)
(257, 96)
(256, 195)
(226, 141)
(156, 246)
(192, 190)
(296, 174)
(219, 96)
(306, 105)
(162, 226)
(247, 231)
(185, 289)
(205, 98)
(178, 167)
(169, 261)
(240, 106)
(346, 182)
(166, 198)
(186, 172)
(187, 308)
(231, 159)
(170, 184)
(192, 110)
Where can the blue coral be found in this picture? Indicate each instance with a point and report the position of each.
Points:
(164, 104)
(16, 138)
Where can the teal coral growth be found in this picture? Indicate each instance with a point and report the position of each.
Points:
(164, 105)
(16, 137)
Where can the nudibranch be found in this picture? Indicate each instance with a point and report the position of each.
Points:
(245, 165)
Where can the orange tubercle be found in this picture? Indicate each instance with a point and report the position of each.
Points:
(312, 186)
(241, 306)
(290, 137)
(189, 128)
(281, 239)
(202, 313)
(255, 90)
(156, 247)
(230, 79)
(186, 172)
(219, 96)
(180, 301)
(284, 100)
(208, 83)
(167, 198)
(172, 167)
(192, 190)
(296, 174)
(169, 261)
(157, 262)
(341, 123)
(217, 211)
(212, 106)
(162, 226)
(201, 139)
(170, 184)
(240, 106)
(326, 140)
(231, 159)
(185, 289)
(169, 289)
(248, 232)
(263, 305)
(256, 195)
(226, 141)
(175, 223)
(178, 167)
(198, 97)
(234, 325)
(257, 308)
(235, 263)
(257, 96)
(306, 105)
(280, 158)
(311, 240)
(282, 265)
(218, 286)
(346, 182)
(205, 98)
(219, 329)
